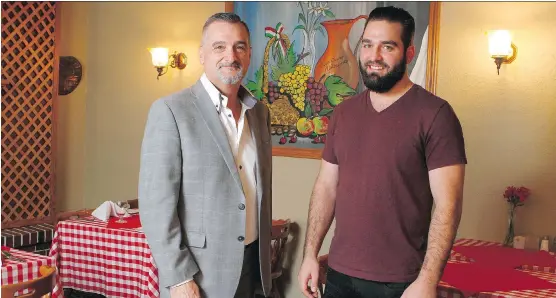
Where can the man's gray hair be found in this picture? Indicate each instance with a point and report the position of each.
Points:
(227, 17)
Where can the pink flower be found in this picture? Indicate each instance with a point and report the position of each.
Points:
(516, 196)
(510, 192)
(522, 193)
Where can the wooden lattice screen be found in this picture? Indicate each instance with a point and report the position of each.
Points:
(29, 88)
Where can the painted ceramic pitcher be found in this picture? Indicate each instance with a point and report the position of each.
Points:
(338, 58)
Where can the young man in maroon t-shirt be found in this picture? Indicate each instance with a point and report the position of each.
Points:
(391, 152)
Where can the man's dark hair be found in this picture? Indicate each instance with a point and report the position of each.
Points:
(227, 17)
(395, 15)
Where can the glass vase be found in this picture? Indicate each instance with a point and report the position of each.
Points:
(509, 240)
(309, 48)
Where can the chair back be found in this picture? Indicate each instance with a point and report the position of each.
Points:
(37, 287)
(133, 203)
(73, 214)
(279, 237)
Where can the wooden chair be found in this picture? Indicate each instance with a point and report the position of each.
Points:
(323, 267)
(279, 237)
(133, 204)
(74, 214)
(38, 287)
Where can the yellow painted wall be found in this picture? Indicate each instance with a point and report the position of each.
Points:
(509, 120)
(70, 133)
(101, 123)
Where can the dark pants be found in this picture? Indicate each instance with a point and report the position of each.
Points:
(339, 285)
(250, 272)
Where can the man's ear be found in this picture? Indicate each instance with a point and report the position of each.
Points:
(201, 55)
(410, 54)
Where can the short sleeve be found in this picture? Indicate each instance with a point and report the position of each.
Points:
(445, 144)
(329, 154)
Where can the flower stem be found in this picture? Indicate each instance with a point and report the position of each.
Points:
(510, 233)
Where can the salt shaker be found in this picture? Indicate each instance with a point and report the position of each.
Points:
(545, 243)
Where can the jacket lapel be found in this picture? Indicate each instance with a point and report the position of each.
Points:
(210, 116)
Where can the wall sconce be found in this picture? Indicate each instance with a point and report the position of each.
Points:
(501, 48)
(161, 60)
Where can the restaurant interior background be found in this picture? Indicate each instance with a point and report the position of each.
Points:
(508, 119)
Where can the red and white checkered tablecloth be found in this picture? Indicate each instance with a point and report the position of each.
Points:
(16, 271)
(97, 259)
(447, 291)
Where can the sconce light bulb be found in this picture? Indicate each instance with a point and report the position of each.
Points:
(159, 57)
(500, 43)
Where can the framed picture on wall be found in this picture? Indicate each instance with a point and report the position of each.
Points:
(305, 62)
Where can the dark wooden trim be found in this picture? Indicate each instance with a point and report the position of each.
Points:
(229, 6)
(297, 152)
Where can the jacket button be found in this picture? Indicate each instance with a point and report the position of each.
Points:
(241, 206)
(240, 238)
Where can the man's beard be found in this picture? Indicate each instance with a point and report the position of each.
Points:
(382, 84)
(230, 79)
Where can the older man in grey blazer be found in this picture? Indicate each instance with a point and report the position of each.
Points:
(205, 180)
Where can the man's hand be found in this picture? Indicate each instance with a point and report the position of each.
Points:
(187, 290)
(309, 271)
(420, 289)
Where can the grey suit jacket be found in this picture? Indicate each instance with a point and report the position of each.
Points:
(190, 193)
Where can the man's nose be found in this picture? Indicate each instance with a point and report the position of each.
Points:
(230, 54)
(374, 54)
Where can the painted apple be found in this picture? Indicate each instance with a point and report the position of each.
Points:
(305, 126)
(321, 125)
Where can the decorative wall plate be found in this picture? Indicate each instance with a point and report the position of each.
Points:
(70, 74)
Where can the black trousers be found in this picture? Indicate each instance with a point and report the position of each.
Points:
(250, 272)
(339, 285)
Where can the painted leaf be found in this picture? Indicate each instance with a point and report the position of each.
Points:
(325, 112)
(284, 64)
(337, 90)
(329, 14)
(259, 77)
(256, 87)
(251, 86)
(308, 111)
(298, 27)
(291, 55)
(301, 18)
(275, 73)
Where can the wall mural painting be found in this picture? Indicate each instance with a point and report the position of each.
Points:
(305, 62)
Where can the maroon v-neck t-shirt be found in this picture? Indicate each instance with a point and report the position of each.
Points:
(383, 199)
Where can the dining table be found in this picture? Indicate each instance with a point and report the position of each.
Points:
(486, 269)
(105, 257)
(21, 266)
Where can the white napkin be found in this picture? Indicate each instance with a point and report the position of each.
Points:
(107, 209)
